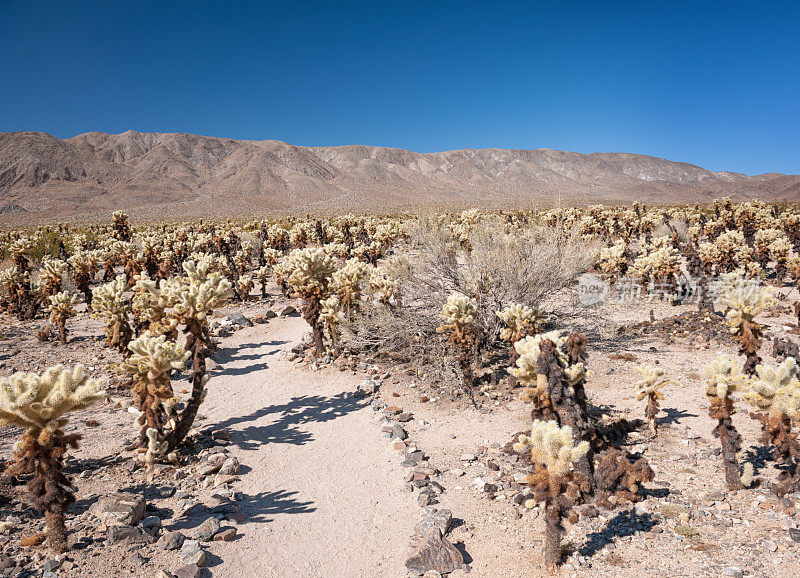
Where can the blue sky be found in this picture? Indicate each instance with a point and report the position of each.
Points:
(712, 83)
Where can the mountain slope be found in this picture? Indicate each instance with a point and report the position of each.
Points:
(163, 174)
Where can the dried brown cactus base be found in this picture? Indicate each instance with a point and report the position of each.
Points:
(690, 324)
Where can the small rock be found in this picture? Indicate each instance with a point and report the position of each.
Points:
(733, 572)
(230, 467)
(188, 571)
(398, 432)
(172, 541)
(123, 509)
(434, 553)
(166, 492)
(437, 519)
(288, 311)
(467, 457)
(770, 545)
(207, 529)
(239, 319)
(225, 535)
(151, 522)
(129, 534)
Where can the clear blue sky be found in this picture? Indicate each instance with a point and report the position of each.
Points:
(712, 83)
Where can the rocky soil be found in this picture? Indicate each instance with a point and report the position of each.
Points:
(302, 467)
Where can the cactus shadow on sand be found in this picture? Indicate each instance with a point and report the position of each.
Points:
(626, 523)
(674, 416)
(299, 410)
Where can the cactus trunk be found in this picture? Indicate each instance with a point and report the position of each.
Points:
(553, 531)
(56, 529)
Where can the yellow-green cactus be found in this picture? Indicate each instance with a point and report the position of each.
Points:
(151, 361)
(39, 403)
(60, 308)
(649, 387)
(109, 304)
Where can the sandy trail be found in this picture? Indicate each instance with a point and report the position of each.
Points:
(324, 489)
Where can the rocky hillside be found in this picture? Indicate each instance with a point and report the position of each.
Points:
(157, 175)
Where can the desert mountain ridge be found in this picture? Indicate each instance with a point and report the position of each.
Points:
(179, 175)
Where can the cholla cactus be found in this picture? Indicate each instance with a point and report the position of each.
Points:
(245, 284)
(195, 297)
(331, 309)
(659, 266)
(776, 392)
(649, 387)
(555, 482)
(459, 324)
(520, 321)
(52, 276)
(11, 285)
(39, 404)
(61, 308)
(459, 317)
(744, 302)
(122, 232)
(310, 275)
(150, 305)
(199, 293)
(271, 256)
(85, 264)
(613, 260)
(262, 275)
(722, 379)
(20, 251)
(151, 362)
(534, 375)
(781, 250)
(109, 304)
(347, 283)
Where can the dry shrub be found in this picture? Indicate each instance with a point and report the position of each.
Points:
(489, 261)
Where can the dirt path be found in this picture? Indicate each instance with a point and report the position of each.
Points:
(324, 490)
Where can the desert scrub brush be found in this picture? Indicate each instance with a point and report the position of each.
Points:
(60, 308)
(39, 403)
(649, 388)
(555, 482)
(723, 379)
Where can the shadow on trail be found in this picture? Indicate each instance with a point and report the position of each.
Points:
(674, 415)
(626, 523)
(300, 410)
(258, 508)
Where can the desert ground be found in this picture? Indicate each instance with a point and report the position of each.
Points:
(344, 462)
